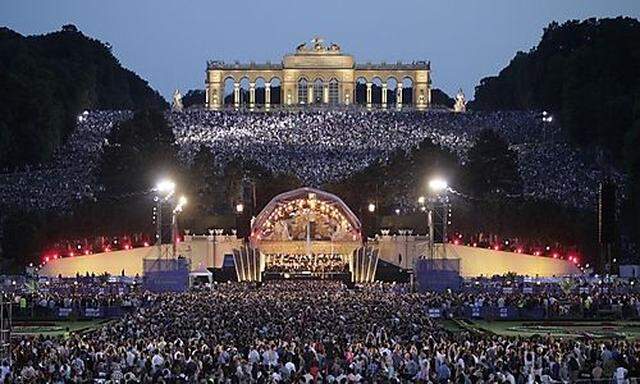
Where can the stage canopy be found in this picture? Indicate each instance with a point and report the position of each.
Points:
(306, 213)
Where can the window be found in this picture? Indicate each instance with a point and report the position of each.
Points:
(334, 92)
(302, 91)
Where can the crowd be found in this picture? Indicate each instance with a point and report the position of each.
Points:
(304, 332)
(69, 177)
(328, 145)
(320, 146)
(78, 292)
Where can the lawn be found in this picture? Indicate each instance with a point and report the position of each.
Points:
(574, 329)
(55, 328)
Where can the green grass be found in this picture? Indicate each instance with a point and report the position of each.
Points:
(55, 328)
(572, 329)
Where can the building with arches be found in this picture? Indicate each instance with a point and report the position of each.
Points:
(318, 74)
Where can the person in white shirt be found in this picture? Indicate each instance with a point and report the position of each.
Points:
(157, 360)
(620, 375)
(5, 371)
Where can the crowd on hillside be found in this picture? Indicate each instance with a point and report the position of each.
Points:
(328, 145)
(69, 177)
(306, 332)
(319, 146)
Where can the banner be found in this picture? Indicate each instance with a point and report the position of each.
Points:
(92, 312)
(64, 312)
(527, 290)
(504, 312)
(475, 311)
(434, 313)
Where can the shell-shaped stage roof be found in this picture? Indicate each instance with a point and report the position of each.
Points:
(293, 200)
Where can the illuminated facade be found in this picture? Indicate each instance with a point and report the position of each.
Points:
(306, 220)
(318, 74)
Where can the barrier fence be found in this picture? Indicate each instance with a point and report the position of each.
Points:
(486, 312)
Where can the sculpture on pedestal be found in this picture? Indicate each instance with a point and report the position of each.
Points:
(176, 105)
(461, 104)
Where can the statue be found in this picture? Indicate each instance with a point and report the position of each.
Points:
(176, 105)
(461, 104)
(318, 43)
(301, 47)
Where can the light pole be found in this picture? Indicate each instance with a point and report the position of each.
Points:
(182, 201)
(239, 212)
(439, 187)
(165, 189)
(372, 219)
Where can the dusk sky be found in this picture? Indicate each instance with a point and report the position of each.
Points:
(169, 42)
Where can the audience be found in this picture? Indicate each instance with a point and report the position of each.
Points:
(309, 331)
(320, 146)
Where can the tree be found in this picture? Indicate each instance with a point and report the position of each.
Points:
(48, 80)
(139, 151)
(587, 72)
(492, 167)
(193, 97)
(439, 97)
(22, 240)
(631, 215)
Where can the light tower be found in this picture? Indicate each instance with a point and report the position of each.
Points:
(436, 205)
(182, 201)
(5, 328)
(165, 190)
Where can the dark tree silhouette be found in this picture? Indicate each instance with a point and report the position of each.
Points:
(48, 80)
(492, 168)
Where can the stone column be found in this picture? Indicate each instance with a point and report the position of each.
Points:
(310, 93)
(399, 96)
(369, 94)
(325, 94)
(267, 95)
(252, 95)
(236, 94)
(384, 95)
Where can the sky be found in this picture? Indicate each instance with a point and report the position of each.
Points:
(167, 42)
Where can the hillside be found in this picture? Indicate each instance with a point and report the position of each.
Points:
(587, 73)
(47, 80)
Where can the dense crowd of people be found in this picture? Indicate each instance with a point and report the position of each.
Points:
(310, 331)
(320, 146)
(328, 145)
(79, 292)
(69, 177)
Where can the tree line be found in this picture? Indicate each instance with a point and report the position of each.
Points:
(587, 74)
(48, 80)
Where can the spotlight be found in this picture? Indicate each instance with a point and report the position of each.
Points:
(166, 186)
(438, 185)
